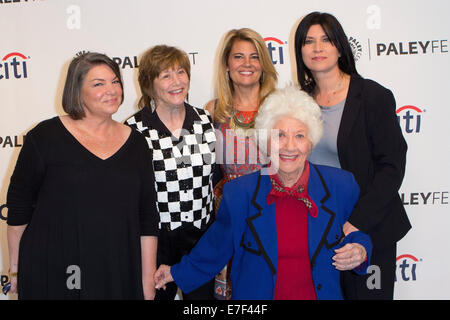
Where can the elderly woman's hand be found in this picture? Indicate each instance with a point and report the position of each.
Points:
(349, 256)
(162, 276)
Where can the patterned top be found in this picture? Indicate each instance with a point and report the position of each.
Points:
(243, 156)
(183, 167)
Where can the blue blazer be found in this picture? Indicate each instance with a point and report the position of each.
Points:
(245, 229)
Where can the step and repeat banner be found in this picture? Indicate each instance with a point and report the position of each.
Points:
(402, 44)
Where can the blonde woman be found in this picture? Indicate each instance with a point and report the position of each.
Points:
(245, 76)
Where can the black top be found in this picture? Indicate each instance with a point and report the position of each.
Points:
(85, 216)
(371, 145)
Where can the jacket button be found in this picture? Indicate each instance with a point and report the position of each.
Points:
(319, 286)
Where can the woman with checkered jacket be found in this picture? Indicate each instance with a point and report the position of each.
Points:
(182, 140)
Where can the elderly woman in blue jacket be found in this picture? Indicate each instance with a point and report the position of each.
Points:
(282, 225)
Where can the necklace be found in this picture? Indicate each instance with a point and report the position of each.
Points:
(240, 124)
(239, 121)
(331, 96)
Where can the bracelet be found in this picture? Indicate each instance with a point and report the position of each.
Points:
(12, 274)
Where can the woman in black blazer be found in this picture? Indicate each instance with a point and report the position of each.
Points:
(361, 135)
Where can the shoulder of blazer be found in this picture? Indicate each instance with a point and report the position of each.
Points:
(366, 89)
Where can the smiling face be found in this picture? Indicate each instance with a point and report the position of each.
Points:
(289, 146)
(171, 87)
(243, 64)
(101, 92)
(318, 53)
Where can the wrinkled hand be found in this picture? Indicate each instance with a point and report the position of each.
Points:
(349, 256)
(162, 276)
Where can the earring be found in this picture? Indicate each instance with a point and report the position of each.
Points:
(152, 105)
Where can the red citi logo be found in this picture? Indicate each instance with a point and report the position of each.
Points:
(406, 267)
(275, 47)
(14, 65)
(410, 118)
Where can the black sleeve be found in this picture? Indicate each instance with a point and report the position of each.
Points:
(25, 183)
(217, 174)
(388, 151)
(148, 213)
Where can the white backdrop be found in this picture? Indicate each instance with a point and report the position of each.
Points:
(402, 44)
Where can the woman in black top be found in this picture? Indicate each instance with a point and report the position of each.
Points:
(369, 143)
(82, 222)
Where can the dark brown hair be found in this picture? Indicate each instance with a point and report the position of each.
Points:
(79, 67)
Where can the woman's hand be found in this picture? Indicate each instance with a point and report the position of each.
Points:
(13, 281)
(348, 228)
(349, 256)
(162, 276)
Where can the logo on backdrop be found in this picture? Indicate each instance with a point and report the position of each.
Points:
(403, 48)
(406, 268)
(11, 141)
(425, 198)
(126, 62)
(14, 66)
(410, 118)
(130, 62)
(276, 49)
(356, 48)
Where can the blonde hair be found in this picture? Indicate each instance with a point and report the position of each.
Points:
(224, 85)
(153, 62)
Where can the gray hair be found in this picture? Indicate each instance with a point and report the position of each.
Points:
(289, 102)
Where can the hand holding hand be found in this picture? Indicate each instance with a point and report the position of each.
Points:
(349, 256)
(162, 276)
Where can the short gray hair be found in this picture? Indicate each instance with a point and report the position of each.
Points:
(289, 102)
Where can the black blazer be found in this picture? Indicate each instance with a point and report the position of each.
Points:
(370, 144)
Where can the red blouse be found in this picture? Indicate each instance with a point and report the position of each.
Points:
(294, 277)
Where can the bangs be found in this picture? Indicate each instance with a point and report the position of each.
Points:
(173, 60)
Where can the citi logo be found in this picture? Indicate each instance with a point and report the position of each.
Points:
(14, 65)
(275, 47)
(406, 267)
(410, 118)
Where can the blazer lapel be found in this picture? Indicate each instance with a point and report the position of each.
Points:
(319, 227)
(262, 222)
(351, 109)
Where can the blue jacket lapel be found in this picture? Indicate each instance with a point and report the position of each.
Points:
(319, 227)
(262, 222)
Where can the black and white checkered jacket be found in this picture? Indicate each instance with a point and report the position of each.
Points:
(183, 167)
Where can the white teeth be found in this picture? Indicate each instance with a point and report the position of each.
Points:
(246, 72)
(176, 91)
(288, 157)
